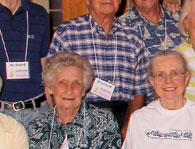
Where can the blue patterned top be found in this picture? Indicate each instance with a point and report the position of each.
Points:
(92, 128)
(163, 36)
(121, 52)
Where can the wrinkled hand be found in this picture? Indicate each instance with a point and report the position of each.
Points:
(172, 7)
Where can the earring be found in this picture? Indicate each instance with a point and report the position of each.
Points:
(188, 38)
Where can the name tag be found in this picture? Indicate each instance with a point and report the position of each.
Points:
(103, 89)
(17, 70)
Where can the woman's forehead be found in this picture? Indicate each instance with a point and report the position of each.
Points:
(167, 62)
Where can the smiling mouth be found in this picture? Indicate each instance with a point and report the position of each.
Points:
(169, 88)
(69, 99)
(107, 3)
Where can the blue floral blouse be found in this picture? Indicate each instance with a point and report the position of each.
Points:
(92, 128)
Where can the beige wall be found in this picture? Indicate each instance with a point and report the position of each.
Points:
(44, 3)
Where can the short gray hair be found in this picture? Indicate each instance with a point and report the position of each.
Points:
(184, 13)
(167, 53)
(64, 59)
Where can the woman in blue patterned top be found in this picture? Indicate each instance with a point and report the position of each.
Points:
(72, 123)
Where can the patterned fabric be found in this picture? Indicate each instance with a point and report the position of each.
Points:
(92, 128)
(189, 54)
(163, 36)
(122, 51)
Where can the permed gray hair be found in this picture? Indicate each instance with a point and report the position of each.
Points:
(64, 59)
(184, 13)
(167, 53)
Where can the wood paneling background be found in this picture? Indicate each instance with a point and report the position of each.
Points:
(73, 8)
(63, 10)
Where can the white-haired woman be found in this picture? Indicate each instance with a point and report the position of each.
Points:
(187, 28)
(72, 123)
(169, 122)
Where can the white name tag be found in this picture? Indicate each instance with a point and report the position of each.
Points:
(102, 89)
(17, 70)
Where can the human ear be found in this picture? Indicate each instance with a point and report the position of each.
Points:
(49, 90)
(187, 78)
(83, 93)
(151, 80)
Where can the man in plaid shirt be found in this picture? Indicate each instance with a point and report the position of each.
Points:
(115, 52)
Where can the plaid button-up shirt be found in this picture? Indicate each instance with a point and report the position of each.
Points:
(121, 52)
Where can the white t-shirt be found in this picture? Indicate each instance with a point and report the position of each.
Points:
(154, 127)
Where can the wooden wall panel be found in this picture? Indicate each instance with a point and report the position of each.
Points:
(73, 8)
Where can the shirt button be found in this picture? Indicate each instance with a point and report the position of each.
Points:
(101, 29)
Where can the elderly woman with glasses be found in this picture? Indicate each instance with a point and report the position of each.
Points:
(169, 122)
(72, 123)
(187, 28)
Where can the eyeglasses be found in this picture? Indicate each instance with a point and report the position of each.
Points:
(174, 75)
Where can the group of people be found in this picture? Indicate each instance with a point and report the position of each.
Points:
(168, 122)
(81, 92)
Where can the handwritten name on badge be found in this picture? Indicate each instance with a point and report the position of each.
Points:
(103, 89)
(17, 70)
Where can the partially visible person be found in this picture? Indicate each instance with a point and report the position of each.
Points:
(187, 28)
(166, 123)
(24, 42)
(115, 52)
(157, 27)
(72, 123)
(12, 134)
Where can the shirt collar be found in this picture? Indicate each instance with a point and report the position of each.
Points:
(25, 6)
(138, 14)
(166, 14)
(97, 29)
(76, 119)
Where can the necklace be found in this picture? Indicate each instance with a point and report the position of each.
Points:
(189, 42)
